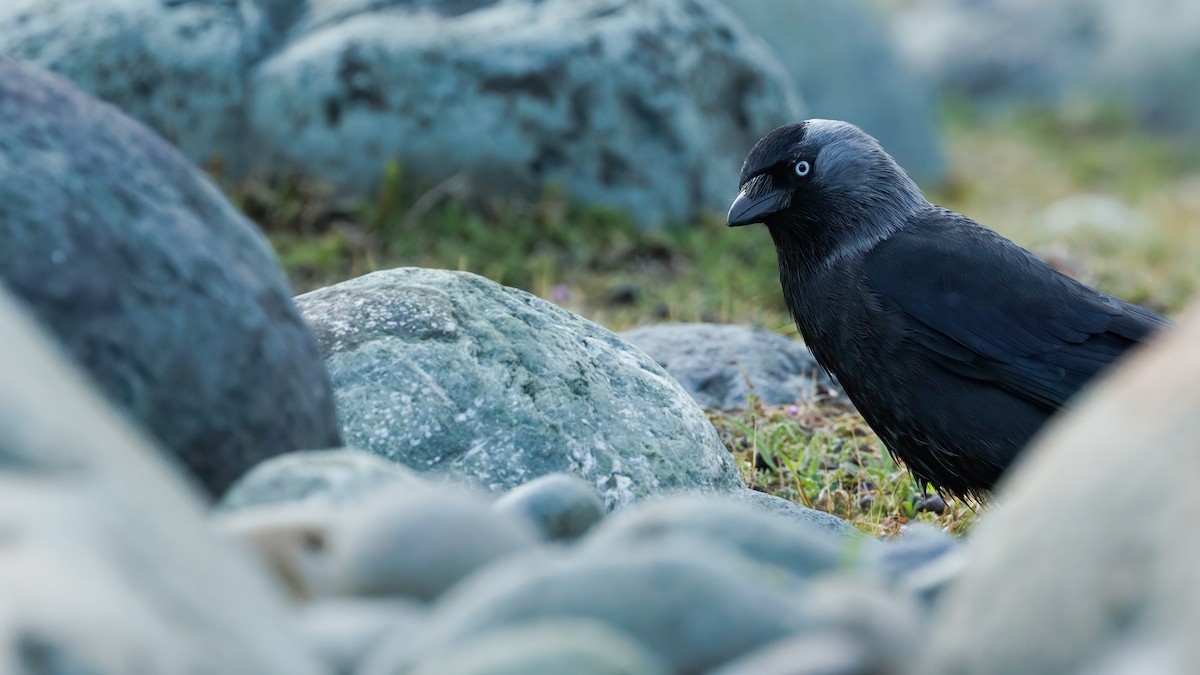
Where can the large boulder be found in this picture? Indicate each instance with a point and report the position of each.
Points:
(846, 65)
(153, 282)
(721, 365)
(647, 106)
(450, 373)
(1088, 563)
(644, 105)
(180, 66)
(1141, 56)
(107, 566)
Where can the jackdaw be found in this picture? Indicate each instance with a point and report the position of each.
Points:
(954, 343)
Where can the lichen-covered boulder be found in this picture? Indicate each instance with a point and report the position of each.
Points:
(153, 282)
(644, 105)
(647, 106)
(179, 66)
(450, 373)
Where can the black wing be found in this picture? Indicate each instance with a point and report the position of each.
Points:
(986, 309)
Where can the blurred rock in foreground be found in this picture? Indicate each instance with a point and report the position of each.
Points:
(153, 282)
(106, 565)
(1088, 562)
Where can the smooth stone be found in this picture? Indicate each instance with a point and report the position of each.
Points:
(766, 538)
(858, 629)
(693, 605)
(107, 565)
(800, 514)
(345, 630)
(720, 365)
(170, 299)
(319, 477)
(562, 506)
(1089, 544)
(456, 376)
(547, 647)
(420, 545)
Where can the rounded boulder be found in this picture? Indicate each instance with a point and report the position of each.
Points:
(452, 374)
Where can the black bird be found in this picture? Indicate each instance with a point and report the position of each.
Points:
(954, 343)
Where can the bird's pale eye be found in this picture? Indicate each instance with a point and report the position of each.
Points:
(802, 168)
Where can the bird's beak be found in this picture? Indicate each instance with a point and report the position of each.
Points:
(757, 200)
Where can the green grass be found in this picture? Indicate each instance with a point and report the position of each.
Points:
(1002, 172)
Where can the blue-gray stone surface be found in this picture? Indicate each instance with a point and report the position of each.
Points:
(720, 365)
(452, 374)
(323, 477)
(692, 605)
(107, 566)
(647, 106)
(1104, 581)
(803, 549)
(561, 506)
(549, 647)
(154, 283)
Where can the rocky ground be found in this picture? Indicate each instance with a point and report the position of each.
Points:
(413, 468)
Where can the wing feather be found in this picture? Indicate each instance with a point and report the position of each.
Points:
(985, 309)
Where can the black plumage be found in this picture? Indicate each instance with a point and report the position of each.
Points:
(954, 343)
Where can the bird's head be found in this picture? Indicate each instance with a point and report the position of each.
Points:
(823, 180)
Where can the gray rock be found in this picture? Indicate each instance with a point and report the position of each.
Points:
(846, 65)
(1113, 563)
(857, 629)
(551, 647)
(1142, 57)
(291, 540)
(693, 605)
(179, 66)
(918, 546)
(719, 365)
(452, 374)
(561, 506)
(172, 301)
(805, 654)
(345, 630)
(801, 515)
(419, 545)
(107, 566)
(319, 477)
(929, 582)
(647, 106)
(766, 538)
